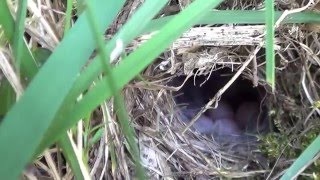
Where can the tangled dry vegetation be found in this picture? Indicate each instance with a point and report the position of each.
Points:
(165, 151)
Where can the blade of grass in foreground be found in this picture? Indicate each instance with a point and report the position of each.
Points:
(25, 124)
(73, 157)
(146, 12)
(18, 39)
(270, 66)
(243, 17)
(28, 66)
(134, 64)
(119, 106)
(304, 159)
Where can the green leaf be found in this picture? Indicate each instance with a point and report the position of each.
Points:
(41, 55)
(304, 159)
(270, 64)
(28, 120)
(73, 157)
(7, 95)
(18, 38)
(28, 66)
(238, 17)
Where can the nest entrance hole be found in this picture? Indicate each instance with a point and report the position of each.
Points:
(240, 109)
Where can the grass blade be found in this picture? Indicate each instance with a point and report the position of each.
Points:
(147, 11)
(119, 106)
(18, 39)
(25, 125)
(68, 16)
(73, 157)
(305, 158)
(28, 66)
(270, 64)
(243, 17)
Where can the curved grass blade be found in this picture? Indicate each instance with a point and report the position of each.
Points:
(119, 106)
(242, 17)
(304, 159)
(28, 66)
(74, 158)
(146, 12)
(134, 64)
(28, 120)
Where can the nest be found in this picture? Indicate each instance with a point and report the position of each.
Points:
(168, 152)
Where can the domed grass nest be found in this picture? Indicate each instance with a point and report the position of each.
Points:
(170, 149)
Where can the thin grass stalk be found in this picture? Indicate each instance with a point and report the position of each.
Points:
(74, 158)
(119, 105)
(18, 39)
(68, 16)
(270, 64)
(28, 67)
(242, 17)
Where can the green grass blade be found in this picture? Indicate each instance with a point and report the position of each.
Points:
(134, 63)
(28, 66)
(146, 12)
(270, 64)
(24, 126)
(243, 17)
(68, 16)
(305, 158)
(69, 150)
(8, 97)
(18, 39)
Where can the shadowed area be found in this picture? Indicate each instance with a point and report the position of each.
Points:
(239, 112)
